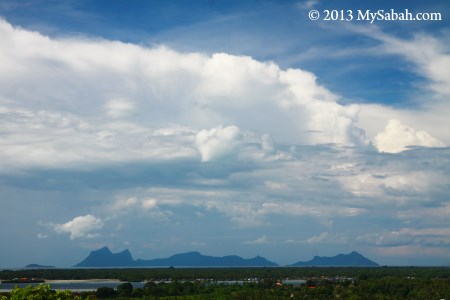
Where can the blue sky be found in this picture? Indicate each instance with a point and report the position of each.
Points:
(225, 127)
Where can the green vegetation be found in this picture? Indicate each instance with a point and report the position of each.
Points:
(147, 274)
(266, 283)
(41, 292)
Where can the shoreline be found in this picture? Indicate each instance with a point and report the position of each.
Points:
(97, 280)
(74, 285)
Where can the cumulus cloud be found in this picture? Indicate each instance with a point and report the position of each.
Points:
(217, 142)
(163, 88)
(397, 137)
(431, 119)
(80, 227)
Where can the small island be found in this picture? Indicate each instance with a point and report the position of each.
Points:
(36, 266)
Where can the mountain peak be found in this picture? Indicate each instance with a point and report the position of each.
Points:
(104, 249)
(353, 259)
(126, 251)
(103, 257)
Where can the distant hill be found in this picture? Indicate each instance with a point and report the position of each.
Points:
(105, 258)
(195, 259)
(353, 259)
(36, 266)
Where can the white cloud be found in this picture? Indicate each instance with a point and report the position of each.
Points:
(318, 112)
(261, 240)
(217, 142)
(121, 205)
(318, 239)
(428, 53)
(80, 227)
(119, 108)
(432, 216)
(427, 56)
(163, 89)
(324, 237)
(307, 4)
(183, 92)
(135, 205)
(149, 203)
(397, 137)
(409, 236)
(62, 140)
(210, 91)
(409, 179)
(432, 118)
(42, 236)
(272, 185)
(254, 211)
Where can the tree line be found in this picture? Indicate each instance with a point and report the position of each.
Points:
(156, 274)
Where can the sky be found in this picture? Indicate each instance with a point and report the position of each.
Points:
(224, 127)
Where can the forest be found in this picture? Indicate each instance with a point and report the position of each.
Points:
(254, 283)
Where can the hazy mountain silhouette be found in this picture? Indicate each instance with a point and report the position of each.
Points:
(195, 259)
(36, 266)
(353, 259)
(105, 258)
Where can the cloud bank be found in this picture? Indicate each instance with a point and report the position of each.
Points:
(108, 96)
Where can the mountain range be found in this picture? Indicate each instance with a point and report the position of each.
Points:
(105, 258)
